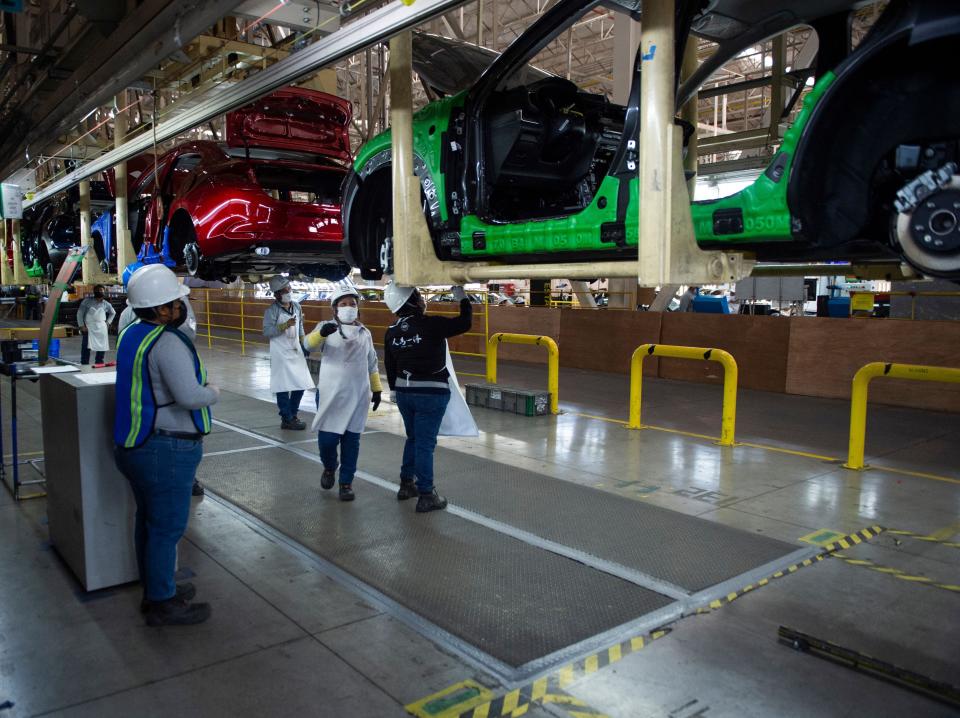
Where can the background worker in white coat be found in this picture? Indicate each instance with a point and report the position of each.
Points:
(289, 375)
(349, 380)
(93, 317)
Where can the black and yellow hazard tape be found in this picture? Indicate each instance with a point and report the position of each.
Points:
(844, 542)
(550, 688)
(923, 537)
(896, 573)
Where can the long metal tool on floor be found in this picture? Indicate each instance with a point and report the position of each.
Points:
(903, 677)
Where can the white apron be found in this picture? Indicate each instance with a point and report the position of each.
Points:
(96, 323)
(457, 419)
(344, 382)
(288, 365)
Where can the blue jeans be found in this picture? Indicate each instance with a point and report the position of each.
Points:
(85, 351)
(422, 414)
(161, 474)
(289, 404)
(349, 442)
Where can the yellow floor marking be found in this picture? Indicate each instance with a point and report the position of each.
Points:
(521, 710)
(539, 689)
(566, 676)
(946, 532)
(636, 643)
(591, 665)
(918, 474)
(614, 653)
(821, 537)
(767, 447)
(564, 699)
(511, 701)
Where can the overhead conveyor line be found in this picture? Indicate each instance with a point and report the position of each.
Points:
(553, 361)
(858, 397)
(379, 24)
(729, 420)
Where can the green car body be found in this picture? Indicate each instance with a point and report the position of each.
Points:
(778, 217)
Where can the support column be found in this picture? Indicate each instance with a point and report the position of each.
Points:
(414, 261)
(19, 271)
(581, 289)
(90, 268)
(122, 235)
(622, 293)
(668, 252)
(6, 272)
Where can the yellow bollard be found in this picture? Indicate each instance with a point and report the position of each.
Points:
(553, 361)
(858, 398)
(730, 377)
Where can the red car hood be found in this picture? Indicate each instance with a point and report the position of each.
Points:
(294, 119)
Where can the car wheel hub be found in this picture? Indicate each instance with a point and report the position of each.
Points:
(929, 232)
(191, 257)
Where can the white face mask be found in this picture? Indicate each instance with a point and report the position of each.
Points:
(285, 298)
(347, 315)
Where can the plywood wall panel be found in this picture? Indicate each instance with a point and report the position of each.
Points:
(758, 343)
(826, 353)
(605, 339)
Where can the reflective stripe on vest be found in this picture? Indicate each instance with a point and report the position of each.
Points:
(136, 408)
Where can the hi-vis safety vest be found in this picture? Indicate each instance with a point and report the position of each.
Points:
(136, 406)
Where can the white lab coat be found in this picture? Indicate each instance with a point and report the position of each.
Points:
(96, 318)
(288, 365)
(344, 382)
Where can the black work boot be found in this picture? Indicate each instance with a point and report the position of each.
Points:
(431, 502)
(327, 478)
(408, 490)
(176, 612)
(346, 492)
(185, 592)
(197, 489)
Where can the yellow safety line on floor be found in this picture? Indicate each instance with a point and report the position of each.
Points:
(778, 449)
(947, 532)
(896, 573)
(938, 537)
(550, 688)
(828, 550)
(21, 454)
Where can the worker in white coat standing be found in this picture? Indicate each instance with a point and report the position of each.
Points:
(349, 381)
(93, 317)
(289, 375)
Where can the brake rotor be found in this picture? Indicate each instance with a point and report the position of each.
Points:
(929, 234)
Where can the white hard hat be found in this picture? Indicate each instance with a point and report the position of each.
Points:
(153, 286)
(343, 288)
(395, 296)
(278, 282)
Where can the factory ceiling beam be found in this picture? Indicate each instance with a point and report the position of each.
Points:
(148, 35)
(381, 23)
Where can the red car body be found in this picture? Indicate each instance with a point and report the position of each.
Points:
(266, 201)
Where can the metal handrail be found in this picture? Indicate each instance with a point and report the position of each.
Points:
(858, 398)
(553, 361)
(729, 420)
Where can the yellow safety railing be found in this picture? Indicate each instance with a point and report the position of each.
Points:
(858, 397)
(553, 361)
(728, 423)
